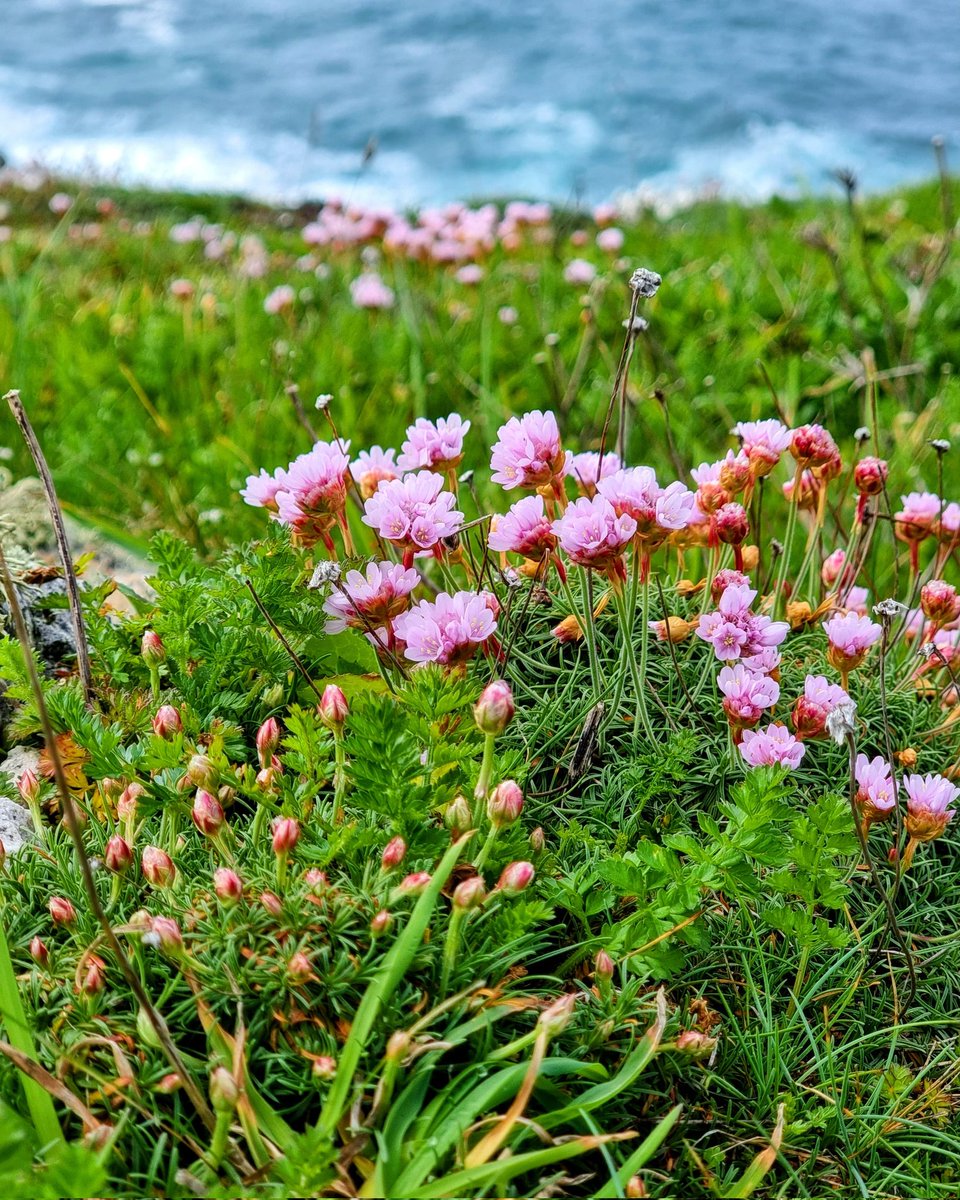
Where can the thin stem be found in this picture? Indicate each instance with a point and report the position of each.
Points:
(787, 542)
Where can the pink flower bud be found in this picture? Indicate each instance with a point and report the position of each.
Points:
(207, 813)
(268, 739)
(94, 979)
(505, 803)
(381, 922)
(224, 1093)
(167, 721)
(470, 893)
(333, 707)
(732, 524)
(725, 578)
(603, 966)
(272, 904)
(324, 1067)
(397, 1046)
(167, 931)
(494, 711)
(127, 804)
(286, 834)
(152, 649)
(39, 952)
(393, 853)
(169, 1084)
(415, 884)
(515, 877)
(832, 567)
(812, 446)
(117, 855)
(28, 785)
(696, 1044)
(537, 840)
(157, 867)
(940, 602)
(201, 773)
(316, 880)
(557, 1017)
(228, 885)
(299, 968)
(267, 778)
(61, 910)
(869, 476)
(457, 815)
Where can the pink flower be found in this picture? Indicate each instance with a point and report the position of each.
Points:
(711, 494)
(610, 240)
(507, 315)
(855, 600)
(527, 452)
(771, 746)
(414, 512)
(370, 600)
(369, 291)
(876, 791)
(746, 695)
(820, 697)
(869, 476)
(280, 299)
(438, 447)
(916, 520)
(928, 801)
(850, 637)
(657, 511)
(812, 446)
(261, 490)
(372, 467)
(592, 534)
(949, 526)
(832, 567)
(760, 633)
(763, 443)
(723, 579)
(523, 529)
(470, 274)
(448, 629)
(579, 272)
(315, 491)
(940, 602)
(764, 661)
(584, 468)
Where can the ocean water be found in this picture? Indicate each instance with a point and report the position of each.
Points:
(421, 101)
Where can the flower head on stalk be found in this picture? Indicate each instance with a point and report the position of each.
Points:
(371, 599)
(261, 490)
(591, 534)
(850, 637)
(314, 493)
(809, 493)
(372, 467)
(733, 613)
(587, 469)
(435, 446)
(939, 602)
(763, 443)
(524, 529)
(811, 710)
(928, 806)
(916, 521)
(774, 745)
(813, 447)
(449, 629)
(527, 452)
(735, 473)
(745, 695)
(414, 513)
(876, 796)
(657, 511)
(711, 495)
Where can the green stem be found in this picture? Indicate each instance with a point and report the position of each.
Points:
(450, 947)
(588, 633)
(218, 1144)
(486, 768)
(626, 632)
(787, 542)
(485, 849)
(339, 777)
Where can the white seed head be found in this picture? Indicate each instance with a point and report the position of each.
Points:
(645, 282)
(842, 721)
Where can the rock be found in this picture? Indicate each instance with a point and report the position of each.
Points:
(24, 516)
(50, 628)
(16, 826)
(20, 759)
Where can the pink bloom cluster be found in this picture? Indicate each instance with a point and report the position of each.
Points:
(657, 511)
(527, 452)
(876, 790)
(820, 697)
(413, 512)
(437, 446)
(774, 745)
(369, 291)
(736, 632)
(746, 694)
(591, 533)
(850, 637)
(763, 443)
(587, 469)
(928, 805)
(449, 629)
(308, 496)
(524, 529)
(367, 601)
(372, 467)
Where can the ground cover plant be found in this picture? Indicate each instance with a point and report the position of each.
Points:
(526, 809)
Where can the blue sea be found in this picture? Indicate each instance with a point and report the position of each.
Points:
(420, 101)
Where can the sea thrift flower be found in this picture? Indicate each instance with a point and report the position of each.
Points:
(928, 806)
(207, 813)
(765, 661)
(610, 240)
(157, 867)
(372, 467)
(588, 469)
(447, 630)
(812, 446)
(579, 272)
(94, 980)
(414, 513)
(434, 446)
(733, 527)
(261, 490)
(850, 637)
(39, 952)
(657, 511)
(315, 491)
(735, 473)
(333, 707)
(415, 884)
(168, 935)
(593, 535)
(286, 834)
(507, 315)
(505, 803)
(832, 567)
(774, 745)
(61, 910)
(367, 601)
(876, 792)
(470, 274)
(279, 300)
(711, 494)
(724, 579)
(811, 710)
(515, 877)
(809, 493)
(494, 711)
(940, 602)
(393, 854)
(760, 633)
(763, 443)
(369, 291)
(381, 922)
(523, 529)
(527, 452)
(117, 855)
(28, 787)
(152, 650)
(166, 721)
(917, 520)
(745, 695)
(870, 475)
(227, 885)
(268, 739)
(468, 894)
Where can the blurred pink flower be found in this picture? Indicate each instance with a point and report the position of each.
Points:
(583, 468)
(369, 291)
(280, 299)
(579, 272)
(373, 466)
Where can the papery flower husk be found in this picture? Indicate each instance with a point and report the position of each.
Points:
(686, 587)
(799, 613)
(751, 558)
(906, 757)
(871, 815)
(926, 826)
(675, 629)
(844, 662)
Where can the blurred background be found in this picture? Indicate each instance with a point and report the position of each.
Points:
(422, 102)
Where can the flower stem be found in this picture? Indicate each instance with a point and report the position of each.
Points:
(787, 542)
(486, 768)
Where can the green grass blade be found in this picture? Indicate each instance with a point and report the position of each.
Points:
(642, 1155)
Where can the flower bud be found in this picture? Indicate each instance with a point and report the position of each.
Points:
(201, 773)
(94, 979)
(316, 880)
(940, 602)
(272, 904)
(673, 629)
(812, 446)
(569, 630)
(227, 885)
(127, 803)
(167, 931)
(415, 884)
(470, 893)
(505, 803)
(324, 1067)
(152, 649)
(167, 721)
(299, 968)
(557, 1017)
(146, 1031)
(393, 853)
(397, 1046)
(732, 524)
(698, 1045)
(224, 1092)
(157, 867)
(537, 840)
(457, 815)
(515, 877)
(117, 855)
(267, 778)
(725, 578)
(635, 1188)
(869, 476)
(381, 922)
(603, 966)
(28, 785)
(832, 567)
(333, 707)
(286, 834)
(268, 739)
(39, 952)
(494, 711)
(169, 1084)
(207, 813)
(61, 910)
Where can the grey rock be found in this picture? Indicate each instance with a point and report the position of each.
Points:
(24, 516)
(18, 760)
(16, 827)
(50, 627)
